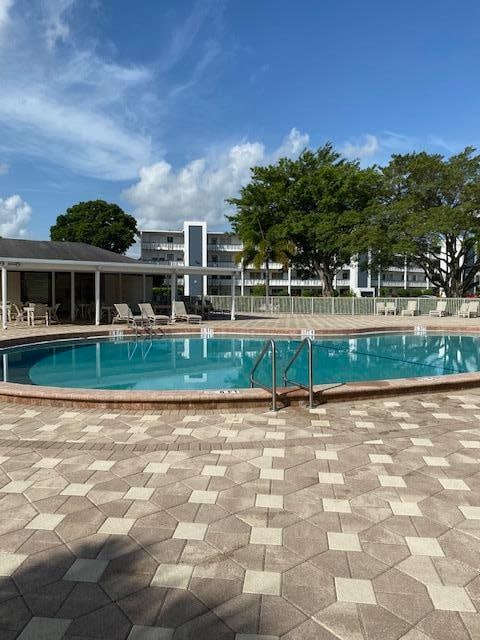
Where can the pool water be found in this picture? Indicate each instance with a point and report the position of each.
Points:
(225, 362)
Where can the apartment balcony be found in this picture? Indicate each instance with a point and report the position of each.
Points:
(314, 282)
(224, 264)
(163, 246)
(342, 282)
(224, 247)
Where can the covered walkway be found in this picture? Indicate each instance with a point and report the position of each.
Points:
(79, 276)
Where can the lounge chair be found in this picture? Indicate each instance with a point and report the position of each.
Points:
(441, 309)
(380, 308)
(464, 312)
(124, 314)
(180, 313)
(149, 314)
(391, 307)
(472, 309)
(411, 310)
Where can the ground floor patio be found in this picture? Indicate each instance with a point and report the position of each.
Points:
(354, 521)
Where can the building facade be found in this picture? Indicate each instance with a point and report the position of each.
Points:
(195, 245)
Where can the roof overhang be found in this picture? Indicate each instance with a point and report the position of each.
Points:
(138, 268)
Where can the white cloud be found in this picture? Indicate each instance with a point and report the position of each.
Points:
(364, 148)
(56, 26)
(67, 100)
(5, 6)
(4, 168)
(165, 197)
(14, 217)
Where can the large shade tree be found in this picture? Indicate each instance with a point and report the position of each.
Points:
(429, 214)
(96, 222)
(306, 211)
(329, 198)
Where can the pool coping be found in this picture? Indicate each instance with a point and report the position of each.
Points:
(229, 398)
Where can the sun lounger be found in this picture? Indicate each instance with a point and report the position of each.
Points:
(411, 310)
(124, 314)
(441, 309)
(180, 313)
(149, 314)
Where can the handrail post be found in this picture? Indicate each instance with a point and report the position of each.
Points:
(274, 376)
(309, 388)
(310, 373)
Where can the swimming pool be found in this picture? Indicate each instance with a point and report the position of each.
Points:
(224, 362)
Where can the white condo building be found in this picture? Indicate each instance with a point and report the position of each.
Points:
(194, 245)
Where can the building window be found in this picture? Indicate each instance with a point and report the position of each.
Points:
(214, 258)
(170, 239)
(169, 256)
(214, 240)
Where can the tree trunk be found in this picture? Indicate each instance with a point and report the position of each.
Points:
(267, 284)
(327, 280)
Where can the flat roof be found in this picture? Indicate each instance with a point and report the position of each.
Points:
(132, 266)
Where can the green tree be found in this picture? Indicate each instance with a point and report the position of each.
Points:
(98, 223)
(259, 220)
(305, 212)
(328, 201)
(429, 213)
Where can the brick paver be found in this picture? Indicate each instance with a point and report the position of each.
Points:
(243, 524)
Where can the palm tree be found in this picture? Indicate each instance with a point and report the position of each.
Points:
(264, 252)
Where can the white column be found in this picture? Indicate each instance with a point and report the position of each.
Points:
(5, 367)
(242, 283)
(97, 297)
(4, 297)
(144, 287)
(232, 311)
(53, 289)
(173, 293)
(289, 281)
(72, 296)
(405, 274)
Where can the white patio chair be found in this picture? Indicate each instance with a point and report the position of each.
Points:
(380, 308)
(463, 312)
(411, 310)
(149, 314)
(180, 313)
(20, 314)
(391, 308)
(441, 309)
(124, 314)
(472, 309)
(40, 312)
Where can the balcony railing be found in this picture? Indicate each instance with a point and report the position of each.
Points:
(224, 247)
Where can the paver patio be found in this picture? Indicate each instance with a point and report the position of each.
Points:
(339, 524)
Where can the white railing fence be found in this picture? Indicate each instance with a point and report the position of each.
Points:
(328, 306)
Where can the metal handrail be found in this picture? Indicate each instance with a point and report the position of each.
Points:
(269, 344)
(309, 343)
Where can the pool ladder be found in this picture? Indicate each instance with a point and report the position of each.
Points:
(270, 348)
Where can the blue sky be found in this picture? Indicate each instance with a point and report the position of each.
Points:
(164, 106)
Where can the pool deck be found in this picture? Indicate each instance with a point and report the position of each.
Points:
(271, 323)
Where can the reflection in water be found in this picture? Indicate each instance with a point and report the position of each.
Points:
(226, 362)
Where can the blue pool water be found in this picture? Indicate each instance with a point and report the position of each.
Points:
(225, 362)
